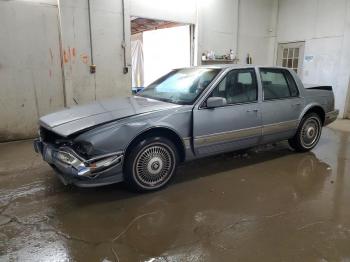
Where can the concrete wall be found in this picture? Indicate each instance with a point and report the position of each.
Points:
(257, 31)
(217, 26)
(259, 24)
(106, 25)
(30, 66)
(36, 31)
(344, 75)
(324, 26)
(215, 23)
(37, 35)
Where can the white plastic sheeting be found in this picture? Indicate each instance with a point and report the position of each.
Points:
(137, 63)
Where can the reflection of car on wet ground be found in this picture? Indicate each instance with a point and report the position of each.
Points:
(188, 113)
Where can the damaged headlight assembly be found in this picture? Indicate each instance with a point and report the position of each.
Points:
(88, 167)
(66, 158)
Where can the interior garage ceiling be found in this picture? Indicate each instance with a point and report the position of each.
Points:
(139, 25)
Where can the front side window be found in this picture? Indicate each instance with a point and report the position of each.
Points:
(277, 84)
(238, 86)
(181, 86)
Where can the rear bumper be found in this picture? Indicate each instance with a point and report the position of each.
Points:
(331, 117)
(81, 172)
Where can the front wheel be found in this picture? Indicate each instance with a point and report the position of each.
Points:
(308, 134)
(150, 164)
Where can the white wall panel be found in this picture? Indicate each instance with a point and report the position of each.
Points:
(343, 79)
(330, 19)
(297, 19)
(30, 66)
(29, 46)
(217, 26)
(108, 54)
(79, 83)
(257, 30)
(324, 26)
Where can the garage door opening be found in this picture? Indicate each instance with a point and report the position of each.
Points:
(157, 47)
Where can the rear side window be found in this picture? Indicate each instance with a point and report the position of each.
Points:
(278, 84)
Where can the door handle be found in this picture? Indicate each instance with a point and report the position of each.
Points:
(297, 104)
(253, 110)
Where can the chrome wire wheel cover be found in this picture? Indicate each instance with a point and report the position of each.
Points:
(154, 165)
(310, 132)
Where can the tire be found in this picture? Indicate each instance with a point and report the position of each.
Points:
(151, 163)
(308, 133)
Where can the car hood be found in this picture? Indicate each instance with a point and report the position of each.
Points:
(78, 118)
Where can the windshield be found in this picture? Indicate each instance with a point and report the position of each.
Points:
(181, 86)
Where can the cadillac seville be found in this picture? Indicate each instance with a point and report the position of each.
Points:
(189, 113)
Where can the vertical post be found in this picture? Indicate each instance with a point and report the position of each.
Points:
(61, 55)
(92, 66)
(237, 28)
(125, 68)
(192, 44)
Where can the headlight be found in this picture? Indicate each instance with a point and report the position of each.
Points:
(66, 158)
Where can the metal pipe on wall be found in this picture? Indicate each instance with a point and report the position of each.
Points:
(125, 68)
(237, 29)
(92, 66)
(61, 56)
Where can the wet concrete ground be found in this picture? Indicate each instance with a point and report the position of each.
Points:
(268, 204)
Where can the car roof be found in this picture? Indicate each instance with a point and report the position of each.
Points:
(233, 66)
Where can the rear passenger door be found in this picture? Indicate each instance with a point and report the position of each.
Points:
(281, 105)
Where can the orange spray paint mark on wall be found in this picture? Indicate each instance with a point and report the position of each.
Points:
(69, 53)
(65, 57)
(73, 54)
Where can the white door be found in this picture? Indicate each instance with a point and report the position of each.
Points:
(30, 66)
(291, 55)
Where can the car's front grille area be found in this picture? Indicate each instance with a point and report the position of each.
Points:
(48, 136)
(78, 148)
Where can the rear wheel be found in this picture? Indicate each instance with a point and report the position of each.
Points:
(150, 164)
(308, 134)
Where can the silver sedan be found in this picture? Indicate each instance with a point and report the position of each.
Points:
(188, 113)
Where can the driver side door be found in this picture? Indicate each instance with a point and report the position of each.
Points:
(237, 124)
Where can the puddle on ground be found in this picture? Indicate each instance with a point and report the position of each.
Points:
(266, 204)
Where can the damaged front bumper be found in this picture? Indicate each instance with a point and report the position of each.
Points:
(73, 169)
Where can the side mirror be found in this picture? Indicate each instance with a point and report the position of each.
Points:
(213, 102)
